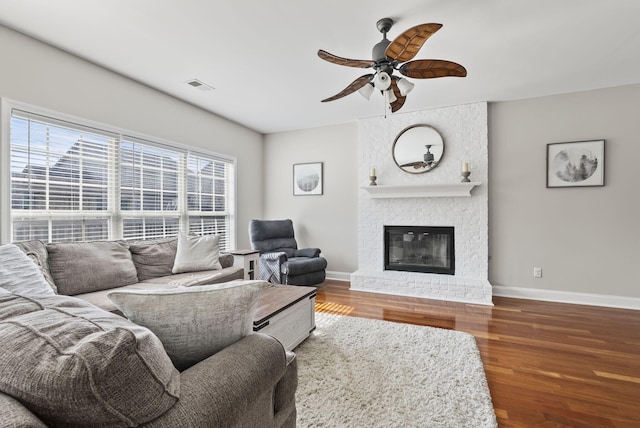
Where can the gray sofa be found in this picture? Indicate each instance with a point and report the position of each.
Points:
(90, 270)
(66, 362)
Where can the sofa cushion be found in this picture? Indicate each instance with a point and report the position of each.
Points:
(20, 274)
(154, 258)
(81, 267)
(74, 365)
(37, 252)
(99, 298)
(196, 322)
(195, 253)
(203, 277)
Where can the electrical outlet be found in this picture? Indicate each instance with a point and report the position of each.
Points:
(537, 272)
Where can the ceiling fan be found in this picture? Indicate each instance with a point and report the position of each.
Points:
(428, 161)
(389, 56)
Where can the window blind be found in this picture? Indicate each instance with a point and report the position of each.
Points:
(59, 180)
(208, 196)
(71, 182)
(149, 189)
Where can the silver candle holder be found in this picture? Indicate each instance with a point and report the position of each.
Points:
(466, 175)
(372, 180)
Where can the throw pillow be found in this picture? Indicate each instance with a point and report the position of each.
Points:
(74, 365)
(154, 258)
(197, 253)
(18, 273)
(196, 322)
(82, 267)
(37, 252)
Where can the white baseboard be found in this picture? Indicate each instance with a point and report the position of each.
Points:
(568, 297)
(338, 276)
(591, 299)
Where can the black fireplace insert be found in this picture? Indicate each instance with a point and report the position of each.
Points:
(427, 249)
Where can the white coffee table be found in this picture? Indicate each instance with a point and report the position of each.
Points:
(286, 312)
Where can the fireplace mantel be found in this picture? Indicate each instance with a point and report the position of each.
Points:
(421, 190)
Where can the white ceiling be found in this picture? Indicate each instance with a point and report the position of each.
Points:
(260, 55)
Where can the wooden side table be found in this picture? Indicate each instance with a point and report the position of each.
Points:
(248, 260)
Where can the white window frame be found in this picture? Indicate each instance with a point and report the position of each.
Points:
(6, 108)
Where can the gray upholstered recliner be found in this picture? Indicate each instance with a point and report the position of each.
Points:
(280, 259)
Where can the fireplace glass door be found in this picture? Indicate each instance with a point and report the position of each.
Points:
(427, 249)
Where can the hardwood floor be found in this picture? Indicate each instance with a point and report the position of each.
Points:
(547, 364)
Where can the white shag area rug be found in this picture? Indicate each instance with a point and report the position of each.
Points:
(356, 372)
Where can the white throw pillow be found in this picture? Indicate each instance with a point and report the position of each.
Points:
(196, 253)
(193, 323)
(19, 274)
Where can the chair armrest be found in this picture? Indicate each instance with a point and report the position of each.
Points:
(226, 260)
(308, 252)
(225, 387)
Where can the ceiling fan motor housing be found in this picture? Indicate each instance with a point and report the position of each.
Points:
(379, 50)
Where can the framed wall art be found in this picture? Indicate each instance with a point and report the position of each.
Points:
(575, 164)
(307, 179)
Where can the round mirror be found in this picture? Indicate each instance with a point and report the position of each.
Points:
(418, 149)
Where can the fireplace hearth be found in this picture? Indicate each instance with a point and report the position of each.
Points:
(426, 249)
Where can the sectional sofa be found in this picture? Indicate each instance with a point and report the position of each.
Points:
(90, 270)
(69, 358)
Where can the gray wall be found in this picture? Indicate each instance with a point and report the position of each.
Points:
(327, 221)
(38, 74)
(586, 240)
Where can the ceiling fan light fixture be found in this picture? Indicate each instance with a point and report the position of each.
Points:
(382, 81)
(405, 86)
(390, 96)
(366, 90)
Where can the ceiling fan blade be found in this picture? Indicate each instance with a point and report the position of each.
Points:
(358, 63)
(399, 102)
(354, 86)
(415, 165)
(431, 68)
(406, 45)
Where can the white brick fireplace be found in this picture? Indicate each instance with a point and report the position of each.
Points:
(465, 133)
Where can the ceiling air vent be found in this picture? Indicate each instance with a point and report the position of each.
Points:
(198, 84)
